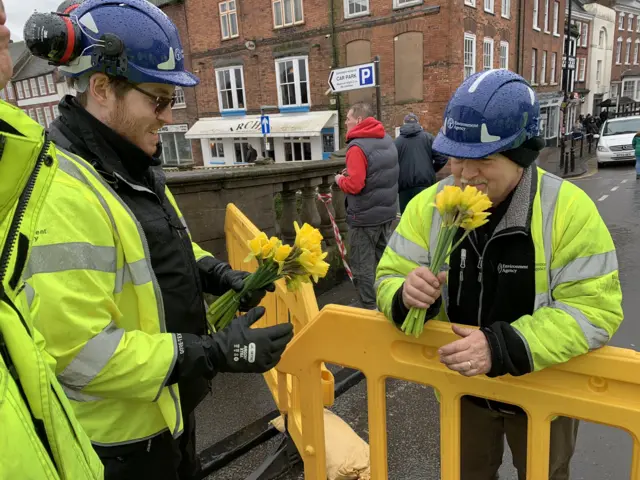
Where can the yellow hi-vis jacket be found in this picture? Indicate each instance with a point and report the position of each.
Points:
(578, 300)
(105, 321)
(40, 437)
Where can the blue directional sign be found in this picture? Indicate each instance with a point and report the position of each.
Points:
(265, 124)
(352, 78)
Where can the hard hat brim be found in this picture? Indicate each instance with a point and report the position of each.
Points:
(476, 151)
(178, 78)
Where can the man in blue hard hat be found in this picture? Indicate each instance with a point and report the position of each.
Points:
(540, 279)
(118, 274)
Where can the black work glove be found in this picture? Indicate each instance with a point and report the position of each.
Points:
(241, 349)
(218, 277)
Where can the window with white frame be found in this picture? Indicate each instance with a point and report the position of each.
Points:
(504, 55)
(240, 150)
(42, 86)
(228, 19)
(297, 149)
(488, 6)
(56, 112)
(50, 83)
(506, 8)
(27, 90)
(471, 3)
(292, 75)
(582, 69)
(552, 73)
(618, 50)
(217, 149)
(630, 22)
(487, 54)
(469, 54)
(19, 91)
(602, 38)
(230, 88)
(620, 21)
(176, 149)
(287, 13)
(32, 113)
(637, 23)
(10, 94)
(355, 8)
(405, 3)
(629, 88)
(34, 87)
(536, 20)
(534, 57)
(556, 17)
(627, 56)
(584, 37)
(598, 71)
(635, 52)
(546, 16)
(47, 115)
(180, 100)
(40, 116)
(543, 68)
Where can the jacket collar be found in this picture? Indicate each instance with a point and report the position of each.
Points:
(518, 215)
(21, 141)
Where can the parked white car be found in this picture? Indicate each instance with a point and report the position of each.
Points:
(615, 140)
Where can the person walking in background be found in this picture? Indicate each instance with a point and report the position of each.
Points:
(371, 187)
(636, 146)
(418, 162)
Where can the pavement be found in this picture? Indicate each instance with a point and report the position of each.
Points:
(602, 453)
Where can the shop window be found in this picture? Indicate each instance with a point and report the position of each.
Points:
(296, 149)
(176, 149)
(409, 61)
(217, 149)
(241, 150)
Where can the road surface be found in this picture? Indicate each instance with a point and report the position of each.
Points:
(602, 453)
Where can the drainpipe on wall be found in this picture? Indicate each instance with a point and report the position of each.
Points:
(520, 39)
(335, 58)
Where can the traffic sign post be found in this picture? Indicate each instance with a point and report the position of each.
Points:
(356, 77)
(353, 78)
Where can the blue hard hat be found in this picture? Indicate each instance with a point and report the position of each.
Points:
(491, 112)
(128, 38)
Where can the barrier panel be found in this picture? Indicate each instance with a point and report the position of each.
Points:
(282, 307)
(601, 387)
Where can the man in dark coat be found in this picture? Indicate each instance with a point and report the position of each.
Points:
(418, 162)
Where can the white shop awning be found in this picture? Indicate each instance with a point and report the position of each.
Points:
(306, 124)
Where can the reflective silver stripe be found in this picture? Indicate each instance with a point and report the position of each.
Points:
(136, 273)
(61, 257)
(541, 300)
(70, 168)
(549, 190)
(596, 337)
(93, 357)
(527, 348)
(386, 277)
(184, 224)
(408, 250)
(77, 396)
(176, 403)
(584, 268)
(30, 293)
(173, 363)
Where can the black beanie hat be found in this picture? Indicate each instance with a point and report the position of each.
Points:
(526, 153)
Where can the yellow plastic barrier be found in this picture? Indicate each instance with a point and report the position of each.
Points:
(602, 387)
(282, 306)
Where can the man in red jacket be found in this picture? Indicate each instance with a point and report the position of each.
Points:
(371, 187)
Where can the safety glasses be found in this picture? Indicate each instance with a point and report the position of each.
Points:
(161, 102)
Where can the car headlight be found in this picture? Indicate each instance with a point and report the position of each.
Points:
(603, 149)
